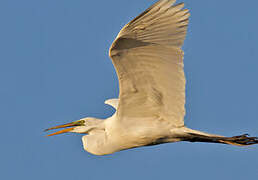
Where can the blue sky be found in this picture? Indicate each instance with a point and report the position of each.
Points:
(54, 68)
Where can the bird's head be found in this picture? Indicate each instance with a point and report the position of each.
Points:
(83, 126)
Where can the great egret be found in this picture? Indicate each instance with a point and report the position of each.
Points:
(150, 110)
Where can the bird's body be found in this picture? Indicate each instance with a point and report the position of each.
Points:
(115, 136)
(150, 110)
(118, 136)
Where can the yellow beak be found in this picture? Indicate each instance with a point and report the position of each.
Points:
(72, 125)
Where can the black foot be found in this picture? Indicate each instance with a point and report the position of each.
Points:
(242, 140)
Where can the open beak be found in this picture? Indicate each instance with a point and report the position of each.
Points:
(69, 126)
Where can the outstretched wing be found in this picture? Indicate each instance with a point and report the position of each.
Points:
(149, 64)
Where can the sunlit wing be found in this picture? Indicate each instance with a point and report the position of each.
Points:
(149, 64)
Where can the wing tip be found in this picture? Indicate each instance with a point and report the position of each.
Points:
(112, 102)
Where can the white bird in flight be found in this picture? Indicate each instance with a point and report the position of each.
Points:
(150, 110)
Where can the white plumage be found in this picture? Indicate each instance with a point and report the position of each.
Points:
(112, 102)
(150, 110)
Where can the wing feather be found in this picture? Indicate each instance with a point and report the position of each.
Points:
(149, 64)
(112, 102)
(161, 18)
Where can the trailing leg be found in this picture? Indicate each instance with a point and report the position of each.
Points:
(242, 140)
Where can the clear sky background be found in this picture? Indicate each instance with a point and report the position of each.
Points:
(54, 68)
